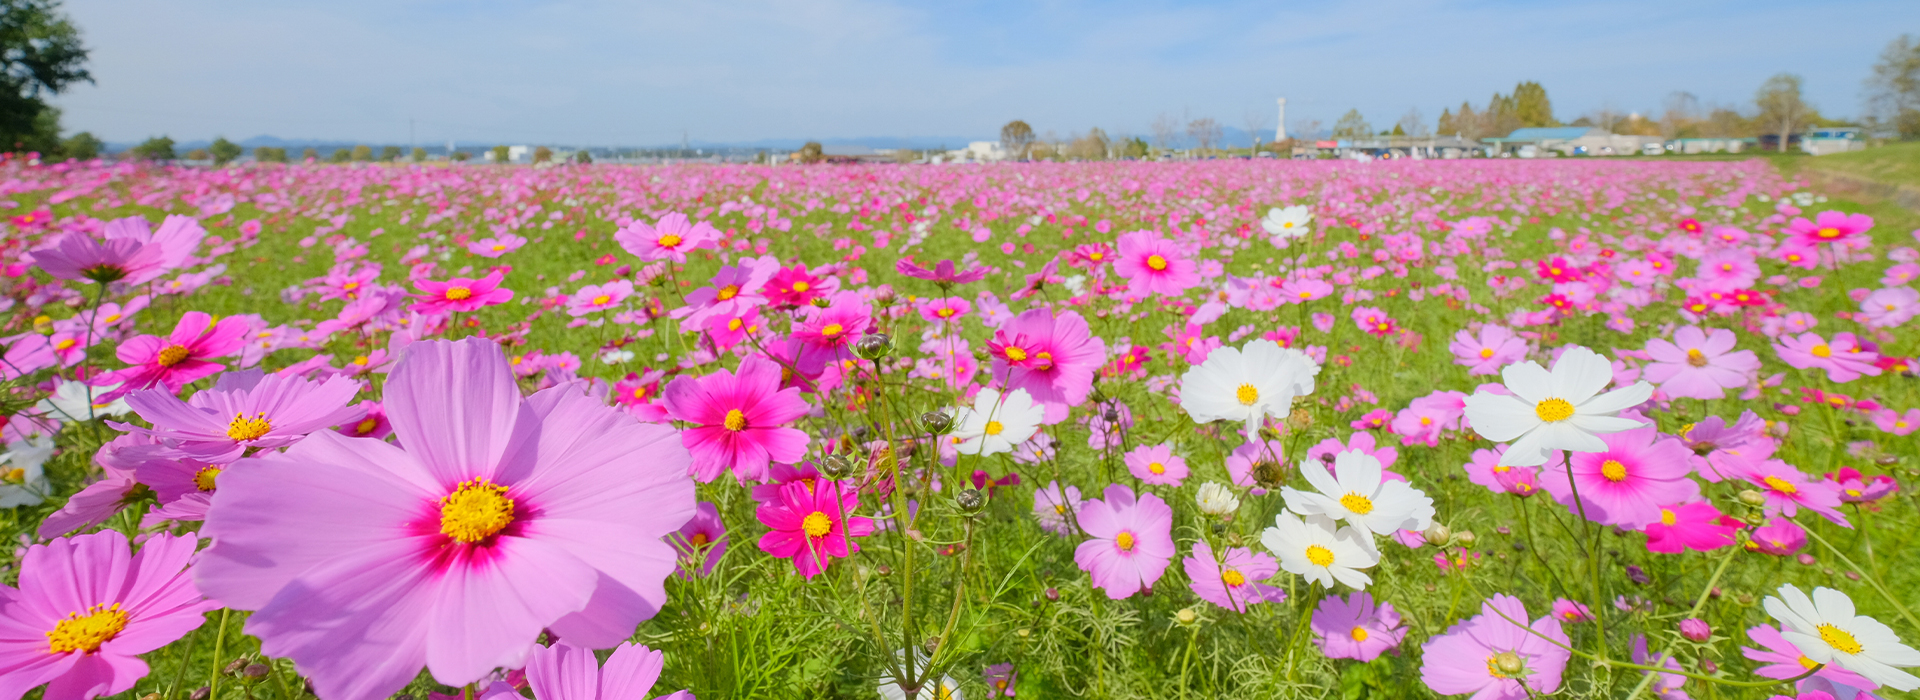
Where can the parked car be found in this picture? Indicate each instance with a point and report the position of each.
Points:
(1652, 149)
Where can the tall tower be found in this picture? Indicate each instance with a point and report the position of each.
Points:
(1280, 132)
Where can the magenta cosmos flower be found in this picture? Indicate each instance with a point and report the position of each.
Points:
(740, 420)
(1696, 526)
(1845, 359)
(701, 542)
(567, 672)
(827, 335)
(670, 238)
(1131, 541)
(1354, 628)
(87, 607)
(1489, 350)
(1052, 357)
(813, 524)
(245, 409)
(502, 516)
(1152, 264)
(1699, 364)
(1235, 581)
(461, 294)
(178, 359)
(1494, 657)
(943, 273)
(1829, 227)
(78, 256)
(1625, 485)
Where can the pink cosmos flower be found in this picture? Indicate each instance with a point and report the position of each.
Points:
(599, 297)
(1363, 443)
(794, 286)
(1626, 485)
(1052, 356)
(1156, 465)
(1779, 537)
(129, 254)
(812, 525)
(1235, 581)
(1571, 611)
(30, 352)
(567, 672)
(727, 331)
(1889, 307)
(1492, 348)
(1424, 419)
(1130, 542)
(1859, 488)
(1697, 364)
(1845, 359)
(1665, 686)
(178, 359)
(943, 310)
(1484, 468)
(1788, 489)
(1831, 227)
(739, 420)
(734, 290)
(1374, 322)
(1052, 509)
(1783, 660)
(701, 542)
(491, 247)
(671, 238)
(499, 516)
(1493, 657)
(944, 273)
(461, 294)
(244, 410)
(88, 607)
(1697, 526)
(1151, 264)
(1354, 629)
(1728, 270)
(1303, 290)
(1713, 441)
(827, 335)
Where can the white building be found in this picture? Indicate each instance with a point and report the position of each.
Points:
(978, 152)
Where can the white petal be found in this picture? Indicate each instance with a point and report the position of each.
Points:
(1500, 418)
(1528, 381)
(1579, 374)
(1617, 400)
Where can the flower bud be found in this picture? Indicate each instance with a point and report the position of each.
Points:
(1217, 500)
(234, 667)
(1269, 474)
(1463, 538)
(970, 501)
(256, 671)
(1186, 616)
(1708, 666)
(200, 693)
(1053, 594)
(873, 346)
(937, 422)
(821, 302)
(835, 467)
(1752, 497)
(1438, 535)
(1269, 433)
(1509, 664)
(1696, 629)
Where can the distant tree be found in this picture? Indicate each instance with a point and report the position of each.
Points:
(1205, 133)
(269, 154)
(1397, 131)
(1136, 148)
(1680, 115)
(1782, 107)
(156, 148)
(1093, 146)
(542, 154)
(1016, 137)
(1531, 106)
(1893, 91)
(500, 154)
(419, 154)
(1165, 129)
(389, 153)
(310, 153)
(812, 152)
(83, 146)
(224, 151)
(1413, 123)
(1258, 123)
(40, 55)
(1352, 126)
(340, 155)
(460, 156)
(584, 158)
(363, 153)
(199, 154)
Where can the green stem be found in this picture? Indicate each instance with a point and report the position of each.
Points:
(1870, 578)
(219, 652)
(1699, 604)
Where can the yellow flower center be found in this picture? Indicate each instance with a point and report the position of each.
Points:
(458, 293)
(498, 247)
(1060, 509)
(362, 360)
(734, 324)
(242, 428)
(1667, 517)
(1781, 485)
(65, 343)
(668, 240)
(1613, 470)
(832, 329)
(174, 354)
(1505, 664)
(1124, 541)
(113, 318)
(1486, 353)
(1828, 233)
(366, 425)
(15, 475)
(1553, 410)
(1246, 394)
(1156, 262)
(698, 540)
(735, 420)
(1233, 578)
(602, 299)
(476, 510)
(728, 292)
(1839, 639)
(945, 313)
(1822, 350)
(817, 524)
(1157, 468)
(85, 633)
(1320, 556)
(1359, 634)
(204, 479)
(994, 427)
(1356, 503)
(1015, 353)
(801, 286)
(1696, 358)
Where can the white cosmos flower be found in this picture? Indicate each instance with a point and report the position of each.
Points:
(1291, 222)
(76, 401)
(23, 481)
(1315, 549)
(1561, 409)
(1216, 499)
(1826, 631)
(1247, 384)
(994, 426)
(946, 689)
(1358, 495)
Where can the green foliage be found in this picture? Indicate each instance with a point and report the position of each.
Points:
(419, 155)
(340, 155)
(40, 54)
(389, 154)
(1016, 137)
(1530, 105)
(460, 156)
(1893, 91)
(583, 157)
(500, 154)
(224, 151)
(1137, 148)
(270, 154)
(83, 146)
(542, 155)
(155, 148)
(363, 153)
(812, 152)
(1352, 126)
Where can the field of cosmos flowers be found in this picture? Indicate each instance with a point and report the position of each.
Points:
(1506, 429)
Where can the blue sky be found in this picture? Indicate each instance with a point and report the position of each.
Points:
(594, 72)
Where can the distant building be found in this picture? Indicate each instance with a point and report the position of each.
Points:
(856, 154)
(1391, 147)
(977, 152)
(1821, 141)
(1569, 140)
(1711, 145)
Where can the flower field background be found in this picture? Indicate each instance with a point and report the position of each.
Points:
(1115, 430)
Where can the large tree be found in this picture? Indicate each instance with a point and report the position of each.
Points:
(1893, 91)
(1352, 126)
(1531, 106)
(1016, 137)
(1782, 108)
(42, 55)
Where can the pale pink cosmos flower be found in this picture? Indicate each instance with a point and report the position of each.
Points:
(492, 247)
(671, 238)
(1353, 628)
(1497, 655)
(245, 410)
(1897, 423)
(1787, 489)
(1156, 465)
(1052, 509)
(595, 298)
(1234, 581)
(1130, 541)
(1845, 359)
(1489, 350)
(1484, 468)
(567, 672)
(1699, 364)
(1152, 264)
(1889, 307)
